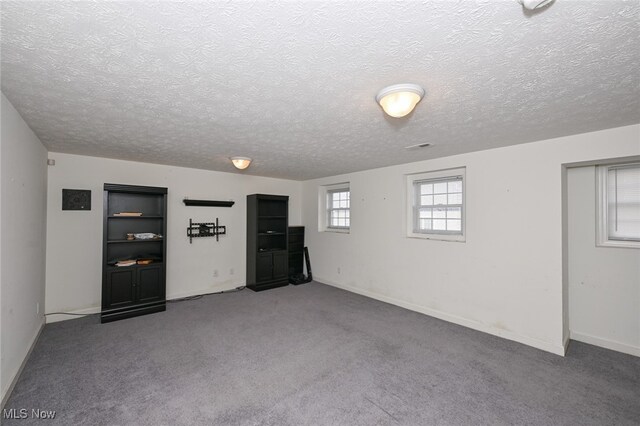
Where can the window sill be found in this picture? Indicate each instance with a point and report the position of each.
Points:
(619, 244)
(337, 230)
(439, 237)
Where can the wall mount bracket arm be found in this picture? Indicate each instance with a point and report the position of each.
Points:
(205, 229)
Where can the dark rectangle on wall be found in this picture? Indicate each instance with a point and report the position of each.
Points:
(207, 203)
(76, 199)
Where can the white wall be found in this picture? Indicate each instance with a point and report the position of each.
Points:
(506, 279)
(23, 228)
(74, 240)
(2, 391)
(604, 282)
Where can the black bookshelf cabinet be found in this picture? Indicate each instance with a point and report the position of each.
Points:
(267, 241)
(296, 252)
(139, 289)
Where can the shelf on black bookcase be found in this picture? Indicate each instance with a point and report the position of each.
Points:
(155, 240)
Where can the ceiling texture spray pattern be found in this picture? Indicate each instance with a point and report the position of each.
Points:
(292, 84)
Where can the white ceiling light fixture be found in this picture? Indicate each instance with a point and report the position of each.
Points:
(241, 163)
(534, 4)
(420, 145)
(400, 99)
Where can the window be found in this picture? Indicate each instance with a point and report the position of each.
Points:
(338, 208)
(334, 213)
(436, 205)
(619, 205)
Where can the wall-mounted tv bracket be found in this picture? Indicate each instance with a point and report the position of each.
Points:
(205, 229)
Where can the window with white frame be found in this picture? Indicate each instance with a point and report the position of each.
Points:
(334, 208)
(435, 206)
(338, 208)
(619, 205)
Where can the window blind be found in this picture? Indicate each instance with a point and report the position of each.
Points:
(623, 202)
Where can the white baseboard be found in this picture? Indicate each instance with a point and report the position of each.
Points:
(567, 340)
(538, 344)
(15, 378)
(50, 318)
(606, 343)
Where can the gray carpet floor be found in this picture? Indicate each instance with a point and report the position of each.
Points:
(313, 355)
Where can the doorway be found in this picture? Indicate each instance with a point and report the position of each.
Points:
(602, 281)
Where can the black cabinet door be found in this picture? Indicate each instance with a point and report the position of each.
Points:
(120, 288)
(264, 267)
(150, 283)
(280, 265)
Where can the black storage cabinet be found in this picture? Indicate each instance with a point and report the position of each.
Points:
(129, 291)
(267, 241)
(296, 252)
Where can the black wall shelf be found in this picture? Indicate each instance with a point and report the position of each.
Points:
(149, 240)
(207, 203)
(135, 217)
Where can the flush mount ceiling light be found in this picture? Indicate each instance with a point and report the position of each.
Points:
(534, 4)
(400, 99)
(420, 145)
(241, 162)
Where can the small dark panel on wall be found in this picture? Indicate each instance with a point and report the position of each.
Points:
(76, 199)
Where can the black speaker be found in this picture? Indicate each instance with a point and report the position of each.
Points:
(76, 199)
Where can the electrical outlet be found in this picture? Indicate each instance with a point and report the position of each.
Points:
(215, 273)
(37, 308)
(338, 270)
(231, 271)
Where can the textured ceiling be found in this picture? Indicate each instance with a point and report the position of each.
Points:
(292, 85)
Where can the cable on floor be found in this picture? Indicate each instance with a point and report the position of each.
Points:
(200, 296)
(182, 299)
